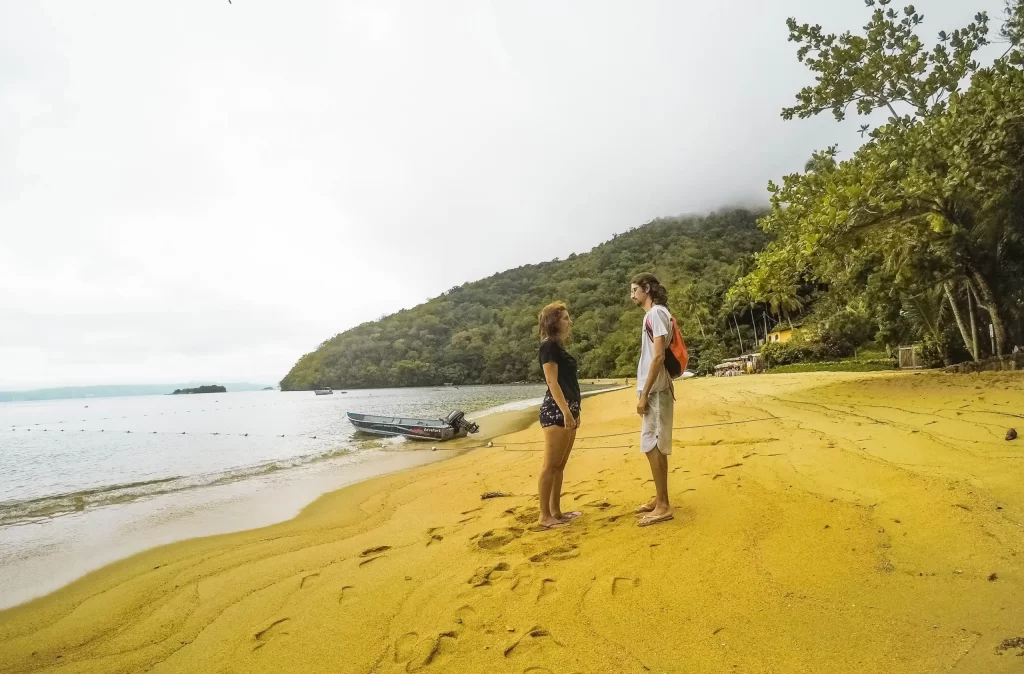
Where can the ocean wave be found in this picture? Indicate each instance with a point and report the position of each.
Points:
(45, 507)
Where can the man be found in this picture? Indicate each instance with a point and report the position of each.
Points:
(656, 397)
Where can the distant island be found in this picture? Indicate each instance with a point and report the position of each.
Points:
(213, 388)
(268, 388)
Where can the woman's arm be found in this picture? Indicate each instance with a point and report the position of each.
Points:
(551, 377)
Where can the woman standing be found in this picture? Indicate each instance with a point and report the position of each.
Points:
(559, 413)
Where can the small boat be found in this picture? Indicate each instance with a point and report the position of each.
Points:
(454, 425)
(325, 391)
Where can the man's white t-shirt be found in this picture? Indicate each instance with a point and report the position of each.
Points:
(660, 322)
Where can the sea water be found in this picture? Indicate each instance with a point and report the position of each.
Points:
(86, 481)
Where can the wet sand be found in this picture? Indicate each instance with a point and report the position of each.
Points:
(825, 522)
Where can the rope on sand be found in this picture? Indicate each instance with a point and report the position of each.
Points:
(613, 435)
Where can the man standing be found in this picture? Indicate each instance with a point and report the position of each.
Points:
(655, 392)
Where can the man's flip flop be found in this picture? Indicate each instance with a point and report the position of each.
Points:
(553, 525)
(645, 508)
(570, 516)
(650, 519)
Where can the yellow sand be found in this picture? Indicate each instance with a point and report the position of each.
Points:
(873, 525)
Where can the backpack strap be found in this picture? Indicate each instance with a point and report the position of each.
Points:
(671, 335)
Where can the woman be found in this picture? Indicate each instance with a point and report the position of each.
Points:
(559, 413)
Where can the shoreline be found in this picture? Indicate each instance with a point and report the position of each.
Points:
(248, 504)
(870, 524)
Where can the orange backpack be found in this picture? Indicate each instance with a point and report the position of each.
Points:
(676, 355)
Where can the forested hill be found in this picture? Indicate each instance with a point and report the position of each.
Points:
(486, 331)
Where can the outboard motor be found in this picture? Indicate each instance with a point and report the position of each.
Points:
(457, 420)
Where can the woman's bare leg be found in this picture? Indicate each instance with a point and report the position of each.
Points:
(555, 439)
(556, 490)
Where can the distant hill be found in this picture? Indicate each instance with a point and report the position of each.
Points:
(111, 391)
(486, 331)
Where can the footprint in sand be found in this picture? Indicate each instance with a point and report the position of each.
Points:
(274, 630)
(521, 581)
(547, 588)
(466, 617)
(345, 592)
(418, 654)
(404, 646)
(531, 645)
(621, 584)
(308, 581)
(600, 504)
(498, 538)
(435, 535)
(527, 516)
(486, 575)
(559, 553)
(375, 552)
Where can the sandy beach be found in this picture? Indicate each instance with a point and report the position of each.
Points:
(825, 522)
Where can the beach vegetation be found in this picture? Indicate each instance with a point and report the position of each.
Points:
(921, 229)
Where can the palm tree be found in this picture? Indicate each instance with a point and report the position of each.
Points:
(693, 307)
(972, 343)
(739, 299)
(784, 299)
(926, 310)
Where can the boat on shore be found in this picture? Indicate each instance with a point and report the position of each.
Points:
(325, 391)
(454, 425)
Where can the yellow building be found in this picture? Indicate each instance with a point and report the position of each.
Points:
(781, 336)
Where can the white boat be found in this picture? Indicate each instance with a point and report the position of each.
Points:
(325, 391)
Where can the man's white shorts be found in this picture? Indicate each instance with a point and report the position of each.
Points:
(656, 427)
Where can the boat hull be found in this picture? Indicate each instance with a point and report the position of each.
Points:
(414, 429)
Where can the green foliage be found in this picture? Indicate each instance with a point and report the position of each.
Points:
(887, 64)
(706, 354)
(486, 331)
(786, 353)
(1013, 27)
(212, 388)
(932, 203)
(826, 348)
(838, 366)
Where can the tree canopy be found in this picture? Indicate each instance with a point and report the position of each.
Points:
(929, 212)
(486, 331)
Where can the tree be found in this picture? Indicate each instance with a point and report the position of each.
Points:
(783, 299)
(887, 65)
(942, 185)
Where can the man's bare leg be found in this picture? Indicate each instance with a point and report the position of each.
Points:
(659, 470)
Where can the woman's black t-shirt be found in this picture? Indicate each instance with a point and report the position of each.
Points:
(552, 352)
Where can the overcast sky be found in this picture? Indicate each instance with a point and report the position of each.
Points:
(198, 190)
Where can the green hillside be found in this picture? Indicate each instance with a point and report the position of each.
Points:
(486, 331)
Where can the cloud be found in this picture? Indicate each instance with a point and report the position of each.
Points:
(216, 188)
